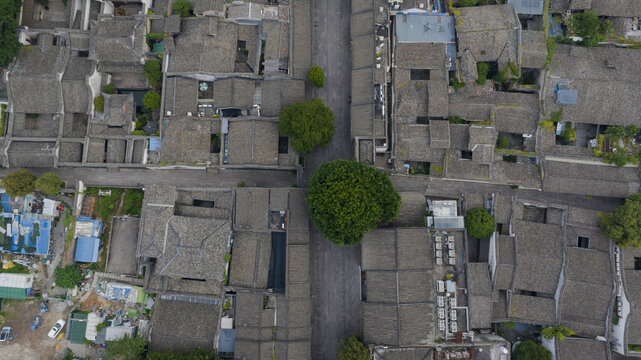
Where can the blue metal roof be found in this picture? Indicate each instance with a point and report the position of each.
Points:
(567, 96)
(425, 27)
(529, 7)
(154, 143)
(87, 249)
(226, 341)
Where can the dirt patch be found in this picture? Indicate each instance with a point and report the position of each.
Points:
(95, 302)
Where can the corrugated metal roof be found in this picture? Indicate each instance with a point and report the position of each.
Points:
(567, 96)
(21, 281)
(87, 249)
(77, 328)
(423, 27)
(449, 222)
(529, 7)
(12, 293)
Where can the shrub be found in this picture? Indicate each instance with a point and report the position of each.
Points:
(456, 84)
(466, 3)
(99, 103)
(500, 76)
(502, 142)
(615, 131)
(351, 348)
(513, 69)
(68, 276)
(109, 89)
(558, 332)
(182, 8)
(309, 123)
(127, 348)
(483, 69)
(133, 202)
(616, 158)
(624, 225)
(568, 134)
(139, 133)
(455, 120)
(479, 223)
(348, 198)
(153, 72)
(316, 76)
(49, 183)
(18, 183)
(588, 26)
(551, 45)
(529, 350)
(151, 100)
(632, 130)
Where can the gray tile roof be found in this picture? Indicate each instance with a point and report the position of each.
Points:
(279, 93)
(120, 110)
(301, 55)
(576, 348)
(534, 48)
(197, 130)
(539, 252)
(118, 40)
(420, 55)
(439, 134)
(251, 209)
(490, 33)
(250, 261)
(181, 96)
(597, 179)
(253, 142)
(183, 326)
(31, 154)
(532, 309)
(480, 295)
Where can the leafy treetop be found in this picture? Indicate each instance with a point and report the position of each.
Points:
(18, 183)
(479, 223)
(624, 225)
(127, 348)
(348, 198)
(351, 348)
(9, 45)
(153, 71)
(182, 8)
(309, 123)
(68, 276)
(151, 100)
(588, 26)
(558, 332)
(49, 183)
(316, 76)
(529, 350)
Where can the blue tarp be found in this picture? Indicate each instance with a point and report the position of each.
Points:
(5, 203)
(39, 242)
(154, 143)
(87, 249)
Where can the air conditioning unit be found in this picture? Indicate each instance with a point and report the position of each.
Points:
(168, 113)
(188, 113)
(421, 5)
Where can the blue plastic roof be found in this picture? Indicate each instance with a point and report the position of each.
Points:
(529, 7)
(226, 341)
(154, 143)
(423, 27)
(87, 249)
(566, 96)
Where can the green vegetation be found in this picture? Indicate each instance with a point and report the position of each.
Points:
(153, 72)
(109, 89)
(153, 38)
(348, 198)
(456, 84)
(513, 69)
(479, 223)
(483, 69)
(102, 325)
(624, 225)
(615, 320)
(43, 2)
(632, 130)
(197, 354)
(501, 76)
(456, 120)
(99, 103)
(509, 324)
(502, 142)
(142, 121)
(558, 332)
(182, 8)
(466, 3)
(3, 118)
(241, 184)
(635, 348)
(588, 26)
(551, 45)
(68, 276)
(15, 269)
(18, 183)
(529, 350)
(568, 134)
(351, 348)
(309, 123)
(9, 45)
(133, 201)
(105, 204)
(139, 132)
(615, 131)
(127, 348)
(617, 159)
(49, 183)
(151, 100)
(316, 76)
(227, 258)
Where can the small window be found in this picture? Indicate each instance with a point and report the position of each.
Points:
(283, 144)
(419, 74)
(423, 120)
(583, 242)
(83, 54)
(466, 154)
(637, 263)
(203, 203)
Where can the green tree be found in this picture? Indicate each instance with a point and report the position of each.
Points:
(99, 103)
(309, 123)
(151, 100)
(351, 348)
(153, 71)
(18, 183)
(466, 3)
(624, 225)
(49, 183)
(109, 89)
(588, 26)
(479, 223)
(632, 130)
(197, 354)
(9, 45)
(502, 142)
(615, 131)
(133, 201)
(69, 276)
(529, 350)
(127, 348)
(182, 8)
(483, 69)
(316, 76)
(348, 198)
(617, 159)
(558, 332)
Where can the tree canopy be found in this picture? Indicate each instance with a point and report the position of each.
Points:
(49, 183)
(479, 223)
(529, 350)
(99, 103)
(624, 225)
(182, 8)
(351, 348)
(348, 198)
(9, 45)
(151, 100)
(153, 71)
(127, 348)
(309, 123)
(316, 76)
(588, 26)
(197, 354)
(68, 276)
(18, 183)
(558, 332)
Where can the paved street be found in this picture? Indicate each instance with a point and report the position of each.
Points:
(334, 270)
(179, 177)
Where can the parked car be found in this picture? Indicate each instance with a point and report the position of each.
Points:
(55, 330)
(5, 333)
(36, 322)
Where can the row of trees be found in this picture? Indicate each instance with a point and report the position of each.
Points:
(23, 182)
(9, 45)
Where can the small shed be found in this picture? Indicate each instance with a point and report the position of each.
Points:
(87, 249)
(15, 286)
(77, 327)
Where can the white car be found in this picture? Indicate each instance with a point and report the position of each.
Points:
(55, 330)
